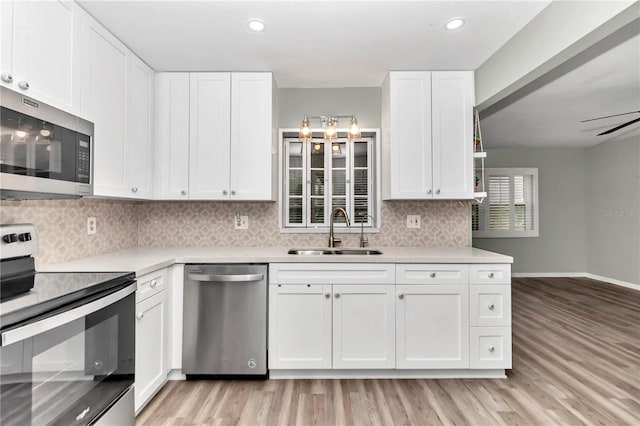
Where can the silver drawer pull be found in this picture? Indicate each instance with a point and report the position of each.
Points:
(491, 348)
(491, 306)
(490, 274)
(226, 278)
(432, 275)
(153, 283)
(327, 295)
(401, 296)
(337, 295)
(140, 315)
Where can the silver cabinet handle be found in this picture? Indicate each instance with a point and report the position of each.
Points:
(226, 278)
(327, 295)
(490, 274)
(140, 315)
(491, 348)
(233, 192)
(432, 275)
(429, 192)
(38, 327)
(183, 192)
(6, 77)
(337, 295)
(437, 191)
(134, 189)
(225, 192)
(491, 306)
(24, 85)
(153, 283)
(401, 296)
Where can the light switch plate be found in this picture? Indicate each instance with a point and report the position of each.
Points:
(413, 221)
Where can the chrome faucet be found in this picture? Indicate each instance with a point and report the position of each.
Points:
(364, 241)
(332, 240)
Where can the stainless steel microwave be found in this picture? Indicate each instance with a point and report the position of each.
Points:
(45, 153)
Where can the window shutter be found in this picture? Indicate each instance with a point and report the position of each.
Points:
(511, 206)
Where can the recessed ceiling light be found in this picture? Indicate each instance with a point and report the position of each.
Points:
(454, 23)
(255, 25)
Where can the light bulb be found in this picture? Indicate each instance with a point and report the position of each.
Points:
(335, 147)
(255, 25)
(21, 133)
(316, 147)
(454, 23)
(45, 133)
(354, 128)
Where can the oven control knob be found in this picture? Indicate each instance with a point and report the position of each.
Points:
(25, 237)
(10, 238)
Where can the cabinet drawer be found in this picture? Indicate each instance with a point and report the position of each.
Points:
(490, 347)
(432, 274)
(490, 274)
(490, 305)
(150, 284)
(331, 273)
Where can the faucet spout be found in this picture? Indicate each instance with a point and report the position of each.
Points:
(332, 240)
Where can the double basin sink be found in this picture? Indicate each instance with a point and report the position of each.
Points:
(334, 251)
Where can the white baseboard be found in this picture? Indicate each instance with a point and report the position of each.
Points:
(388, 374)
(576, 275)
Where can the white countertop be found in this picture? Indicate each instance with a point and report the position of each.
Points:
(143, 260)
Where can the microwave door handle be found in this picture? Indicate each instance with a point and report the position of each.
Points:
(33, 329)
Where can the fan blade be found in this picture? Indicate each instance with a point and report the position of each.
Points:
(628, 123)
(609, 116)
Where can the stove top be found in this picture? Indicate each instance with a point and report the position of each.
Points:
(54, 290)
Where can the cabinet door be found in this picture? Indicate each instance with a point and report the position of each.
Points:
(452, 120)
(6, 43)
(364, 326)
(103, 103)
(432, 326)
(299, 326)
(172, 136)
(251, 136)
(410, 142)
(151, 323)
(46, 52)
(210, 128)
(139, 113)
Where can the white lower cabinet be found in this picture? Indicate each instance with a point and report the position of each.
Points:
(432, 326)
(490, 347)
(364, 326)
(300, 326)
(152, 332)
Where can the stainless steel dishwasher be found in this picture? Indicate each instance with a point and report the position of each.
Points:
(225, 320)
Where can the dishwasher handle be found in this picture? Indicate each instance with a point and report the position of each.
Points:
(223, 278)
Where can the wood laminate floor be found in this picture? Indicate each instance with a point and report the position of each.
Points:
(576, 360)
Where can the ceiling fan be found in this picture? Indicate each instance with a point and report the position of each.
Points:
(628, 123)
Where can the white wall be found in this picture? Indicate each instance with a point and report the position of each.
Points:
(612, 206)
(364, 102)
(560, 246)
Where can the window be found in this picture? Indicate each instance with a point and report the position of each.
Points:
(511, 206)
(320, 175)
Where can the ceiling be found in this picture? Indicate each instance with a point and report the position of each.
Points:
(602, 81)
(314, 43)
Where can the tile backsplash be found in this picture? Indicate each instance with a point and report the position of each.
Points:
(61, 225)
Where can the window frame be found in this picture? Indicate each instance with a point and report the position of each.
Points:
(510, 172)
(374, 189)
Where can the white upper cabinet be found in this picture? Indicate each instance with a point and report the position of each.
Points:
(427, 135)
(171, 175)
(41, 51)
(452, 131)
(251, 136)
(103, 103)
(139, 127)
(210, 127)
(215, 136)
(117, 96)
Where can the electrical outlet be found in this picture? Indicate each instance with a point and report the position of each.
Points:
(413, 221)
(241, 222)
(91, 225)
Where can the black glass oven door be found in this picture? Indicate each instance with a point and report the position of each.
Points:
(71, 373)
